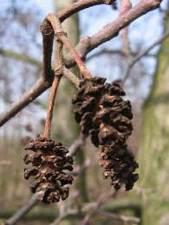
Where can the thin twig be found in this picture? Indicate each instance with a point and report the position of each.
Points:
(39, 87)
(71, 77)
(24, 210)
(100, 202)
(142, 54)
(78, 143)
(56, 25)
(112, 29)
(7, 53)
(85, 45)
(122, 218)
(52, 95)
(80, 5)
(51, 103)
(111, 52)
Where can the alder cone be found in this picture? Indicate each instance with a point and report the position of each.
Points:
(48, 169)
(106, 117)
(119, 165)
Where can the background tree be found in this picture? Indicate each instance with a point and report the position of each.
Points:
(153, 153)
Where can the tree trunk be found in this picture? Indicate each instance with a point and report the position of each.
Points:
(154, 152)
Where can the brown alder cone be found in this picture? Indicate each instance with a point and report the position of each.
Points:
(106, 117)
(48, 169)
(119, 165)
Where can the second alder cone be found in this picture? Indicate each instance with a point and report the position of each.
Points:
(48, 169)
(106, 117)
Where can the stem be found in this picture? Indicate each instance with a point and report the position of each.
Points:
(52, 96)
(56, 25)
(82, 67)
(58, 71)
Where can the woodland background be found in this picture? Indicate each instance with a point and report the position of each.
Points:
(146, 84)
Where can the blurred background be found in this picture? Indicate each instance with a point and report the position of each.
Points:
(146, 85)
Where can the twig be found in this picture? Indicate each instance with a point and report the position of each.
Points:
(112, 29)
(28, 97)
(85, 45)
(19, 56)
(100, 202)
(47, 36)
(52, 95)
(63, 37)
(122, 218)
(110, 52)
(24, 210)
(142, 54)
(71, 77)
(77, 144)
(80, 5)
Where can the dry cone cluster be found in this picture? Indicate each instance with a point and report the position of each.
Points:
(48, 169)
(106, 117)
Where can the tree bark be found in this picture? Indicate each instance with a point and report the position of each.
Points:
(154, 152)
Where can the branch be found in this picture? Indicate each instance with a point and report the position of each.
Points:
(45, 82)
(62, 36)
(85, 45)
(58, 72)
(24, 210)
(91, 210)
(71, 77)
(77, 144)
(28, 97)
(112, 29)
(80, 5)
(20, 57)
(42, 215)
(142, 54)
(122, 218)
(110, 52)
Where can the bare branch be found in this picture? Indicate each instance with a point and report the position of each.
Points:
(20, 56)
(122, 218)
(58, 72)
(112, 29)
(71, 77)
(24, 210)
(110, 52)
(99, 202)
(84, 46)
(142, 54)
(28, 97)
(57, 28)
(80, 5)
(47, 76)
(78, 143)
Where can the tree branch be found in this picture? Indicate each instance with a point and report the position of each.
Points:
(112, 29)
(142, 54)
(110, 52)
(85, 45)
(39, 87)
(24, 210)
(20, 56)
